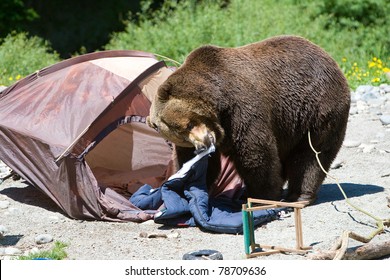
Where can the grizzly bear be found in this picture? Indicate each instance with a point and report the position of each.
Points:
(256, 104)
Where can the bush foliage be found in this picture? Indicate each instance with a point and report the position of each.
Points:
(353, 32)
(21, 55)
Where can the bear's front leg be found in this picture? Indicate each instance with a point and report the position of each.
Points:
(261, 171)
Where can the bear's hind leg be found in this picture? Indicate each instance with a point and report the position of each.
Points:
(304, 173)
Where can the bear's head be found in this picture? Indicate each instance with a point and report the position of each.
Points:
(184, 112)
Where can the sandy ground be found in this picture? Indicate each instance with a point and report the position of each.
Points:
(362, 167)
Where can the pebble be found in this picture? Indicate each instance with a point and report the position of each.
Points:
(351, 143)
(363, 89)
(3, 231)
(361, 105)
(10, 251)
(172, 234)
(4, 170)
(373, 100)
(54, 219)
(337, 165)
(4, 204)
(34, 250)
(385, 119)
(367, 148)
(353, 110)
(43, 238)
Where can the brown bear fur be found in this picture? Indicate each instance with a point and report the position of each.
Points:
(257, 104)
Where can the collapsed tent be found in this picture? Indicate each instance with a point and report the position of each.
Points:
(74, 128)
(77, 131)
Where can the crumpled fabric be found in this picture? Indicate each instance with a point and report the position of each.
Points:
(183, 200)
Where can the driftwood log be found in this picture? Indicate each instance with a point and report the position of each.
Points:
(340, 250)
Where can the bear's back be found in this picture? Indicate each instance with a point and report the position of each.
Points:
(286, 78)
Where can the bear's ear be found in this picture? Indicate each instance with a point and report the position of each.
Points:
(164, 91)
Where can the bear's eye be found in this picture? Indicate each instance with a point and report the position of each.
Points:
(190, 126)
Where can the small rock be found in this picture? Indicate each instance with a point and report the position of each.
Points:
(153, 235)
(363, 89)
(367, 148)
(369, 96)
(53, 219)
(355, 96)
(361, 105)
(10, 251)
(351, 143)
(380, 136)
(353, 110)
(14, 211)
(337, 165)
(385, 119)
(34, 250)
(385, 88)
(4, 204)
(2, 88)
(3, 231)
(43, 239)
(376, 102)
(375, 111)
(149, 222)
(173, 234)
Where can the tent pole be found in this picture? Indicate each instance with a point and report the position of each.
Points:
(72, 144)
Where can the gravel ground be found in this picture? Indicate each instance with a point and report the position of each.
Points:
(362, 167)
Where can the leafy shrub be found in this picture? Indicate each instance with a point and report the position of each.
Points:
(21, 55)
(369, 18)
(14, 16)
(181, 26)
(352, 13)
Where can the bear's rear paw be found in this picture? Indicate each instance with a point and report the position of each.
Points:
(293, 197)
(309, 198)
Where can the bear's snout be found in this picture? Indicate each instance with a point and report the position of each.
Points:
(202, 138)
(151, 124)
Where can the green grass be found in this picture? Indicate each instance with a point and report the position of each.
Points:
(57, 253)
(341, 28)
